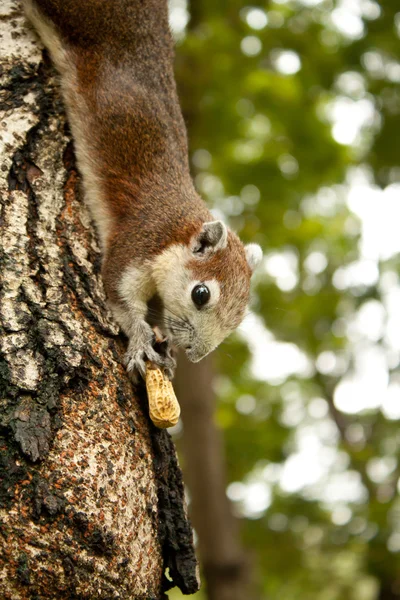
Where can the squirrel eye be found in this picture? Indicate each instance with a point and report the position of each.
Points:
(200, 295)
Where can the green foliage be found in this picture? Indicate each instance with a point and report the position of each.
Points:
(264, 154)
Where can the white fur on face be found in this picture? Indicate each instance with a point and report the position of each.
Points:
(198, 331)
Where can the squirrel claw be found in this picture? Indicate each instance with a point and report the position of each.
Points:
(166, 362)
(169, 363)
(135, 364)
(136, 358)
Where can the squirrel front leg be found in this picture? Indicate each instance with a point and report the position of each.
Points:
(140, 350)
(130, 309)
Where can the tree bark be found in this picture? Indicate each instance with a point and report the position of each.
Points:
(91, 496)
(226, 568)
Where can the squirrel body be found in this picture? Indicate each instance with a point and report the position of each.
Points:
(158, 238)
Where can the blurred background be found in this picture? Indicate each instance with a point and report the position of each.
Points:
(290, 441)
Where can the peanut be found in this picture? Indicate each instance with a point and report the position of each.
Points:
(163, 406)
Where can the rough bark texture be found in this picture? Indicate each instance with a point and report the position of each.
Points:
(91, 496)
(227, 570)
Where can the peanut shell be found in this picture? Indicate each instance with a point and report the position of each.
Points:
(163, 406)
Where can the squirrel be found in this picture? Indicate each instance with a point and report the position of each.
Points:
(158, 239)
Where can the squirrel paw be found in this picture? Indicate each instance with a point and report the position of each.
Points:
(139, 353)
(169, 362)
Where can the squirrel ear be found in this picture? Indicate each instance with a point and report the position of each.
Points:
(254, 255)
(213, 235)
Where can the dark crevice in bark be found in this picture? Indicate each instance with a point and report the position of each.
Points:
(13, 471)
(21, 79)
(175, 531)
(23, 170)
(47, 101)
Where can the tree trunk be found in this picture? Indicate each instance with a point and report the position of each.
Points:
(91, 496)
(388, 592)
(226, 568)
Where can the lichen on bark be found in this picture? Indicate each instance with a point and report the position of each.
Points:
(91, 496)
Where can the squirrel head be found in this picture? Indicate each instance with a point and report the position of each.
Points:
(204, 287)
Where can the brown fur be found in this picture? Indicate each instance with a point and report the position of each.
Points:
(229, 267)
(122, 52)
